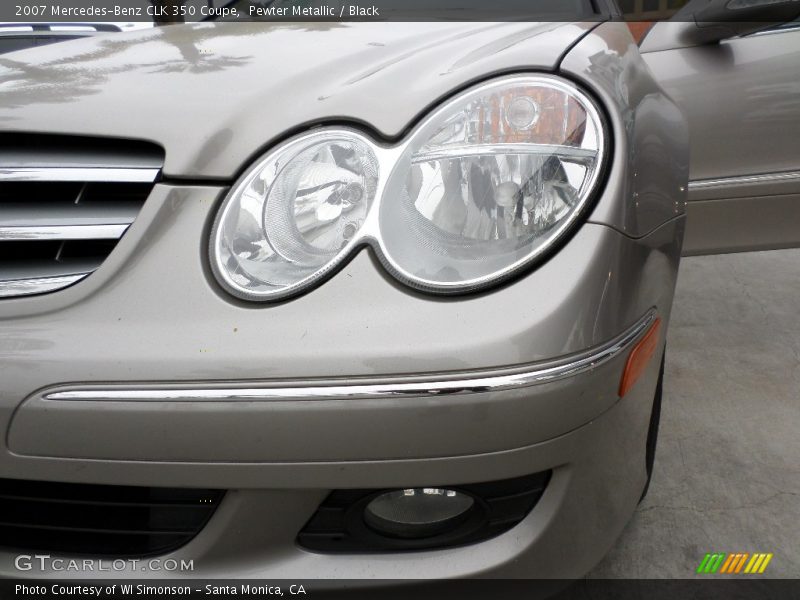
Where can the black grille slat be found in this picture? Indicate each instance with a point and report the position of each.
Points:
(98, 530)
(17, 252)
(37, 192)
(90, 249)
(85, 212)
(98, 502)
(164, 518)
(110, 493)
(45, 267)
(93, 544)
(115, 192)
(101, 520)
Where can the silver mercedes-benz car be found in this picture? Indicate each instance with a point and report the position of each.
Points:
(350, 300)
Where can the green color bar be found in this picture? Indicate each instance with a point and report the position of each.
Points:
(715, 563)
(701, 568)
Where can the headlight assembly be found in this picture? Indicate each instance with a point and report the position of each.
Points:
(480, 189)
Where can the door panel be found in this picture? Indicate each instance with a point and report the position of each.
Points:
(742, 100)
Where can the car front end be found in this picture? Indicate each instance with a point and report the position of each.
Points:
(272, 385)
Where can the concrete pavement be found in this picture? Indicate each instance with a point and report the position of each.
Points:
(727, 471)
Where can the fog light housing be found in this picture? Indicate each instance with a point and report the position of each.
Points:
(421, 518)
(417, 513)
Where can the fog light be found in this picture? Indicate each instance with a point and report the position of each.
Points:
(380, 520)
(417, 513)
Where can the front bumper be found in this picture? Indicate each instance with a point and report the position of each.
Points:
(152, 319)
(448, 415)
(598, 475)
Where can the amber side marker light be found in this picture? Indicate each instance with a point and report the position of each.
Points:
(639, 358)
(639, 30)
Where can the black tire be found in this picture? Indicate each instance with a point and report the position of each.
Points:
(652, 430)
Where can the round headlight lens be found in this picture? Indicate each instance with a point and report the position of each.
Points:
(482, 188)
(489, 182)
(295, 214)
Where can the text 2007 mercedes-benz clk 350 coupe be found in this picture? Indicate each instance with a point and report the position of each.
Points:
(339, 300)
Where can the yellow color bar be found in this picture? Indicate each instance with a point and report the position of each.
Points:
(765, 563)
(751, 566)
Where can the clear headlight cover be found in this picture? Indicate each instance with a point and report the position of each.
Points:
(489, 182)
(483, 187)
(294, 215)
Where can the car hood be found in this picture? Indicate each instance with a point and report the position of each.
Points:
(216, 94)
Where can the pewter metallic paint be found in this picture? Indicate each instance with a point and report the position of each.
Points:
(153, 314)
(742, 100)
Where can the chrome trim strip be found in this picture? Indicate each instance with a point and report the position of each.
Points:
(744, 179)
(92, 174)
(62, 232)
(580, 155)
(74, 28)
(38, 285)
(780, 29)
(436, 386)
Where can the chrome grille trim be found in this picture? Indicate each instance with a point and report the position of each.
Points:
(64, 205)
(63, 232)
(26, 287)
(84, 174)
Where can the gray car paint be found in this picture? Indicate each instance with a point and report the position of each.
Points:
(434, 339)
(19, 36)
(654, 182)
(742, 98)
(153, 312)
(249, 89)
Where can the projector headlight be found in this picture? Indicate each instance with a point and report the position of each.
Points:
(483, 187)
